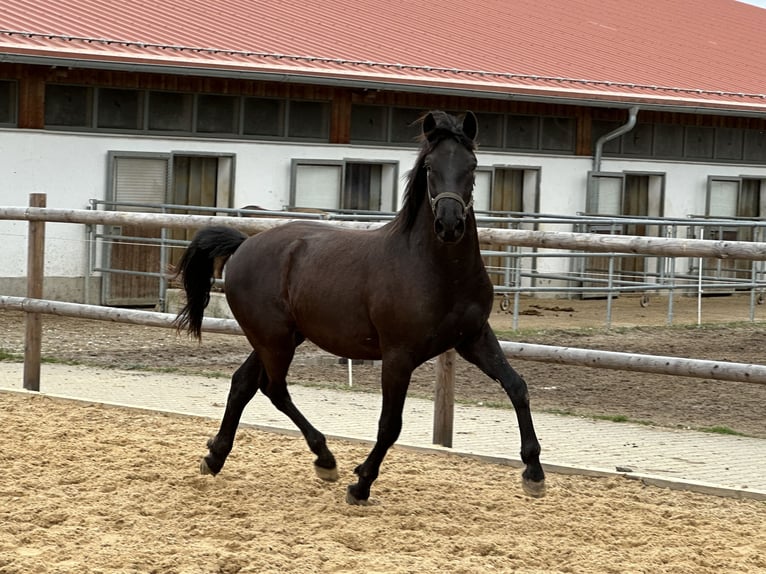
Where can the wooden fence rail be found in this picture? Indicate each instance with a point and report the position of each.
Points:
(753, 251)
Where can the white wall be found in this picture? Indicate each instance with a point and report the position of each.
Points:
(72, 168)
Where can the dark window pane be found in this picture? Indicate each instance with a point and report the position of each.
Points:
(668, 140)
(119, 109)
(522, 132)
(699, 142)
(404, 125)
(755, 146)
(7, 102)
(217, 114)
(369, 123)
(490, 130)
(558, 134)
(728, 143)
(264, 117)
(309, 120)
(67, 106)
(638, 141)
(601, 128)
(170, 111)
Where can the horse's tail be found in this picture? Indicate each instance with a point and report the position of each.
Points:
(197, 267)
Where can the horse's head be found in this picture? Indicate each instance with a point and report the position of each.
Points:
(449, 168)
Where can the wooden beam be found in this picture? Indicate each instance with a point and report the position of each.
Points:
(444, 399)
(35, 275)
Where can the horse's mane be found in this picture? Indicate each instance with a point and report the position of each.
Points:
(447, 127)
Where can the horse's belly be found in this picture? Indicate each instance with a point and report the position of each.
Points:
(344, 338)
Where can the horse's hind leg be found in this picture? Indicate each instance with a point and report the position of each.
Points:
(485, 353)
(244, 384)
(276, 389)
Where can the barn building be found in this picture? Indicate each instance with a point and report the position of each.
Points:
(620, 108)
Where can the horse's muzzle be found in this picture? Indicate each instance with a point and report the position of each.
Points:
(449, 232)
(450, 212)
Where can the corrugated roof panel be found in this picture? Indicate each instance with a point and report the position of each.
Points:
(703, 50)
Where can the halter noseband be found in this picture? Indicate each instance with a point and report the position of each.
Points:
(450, 195)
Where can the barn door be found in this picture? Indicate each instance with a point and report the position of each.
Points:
(198, 181)
(513, 190)
(132, 265)
(135, 259)
(735, 198)
(628, 195)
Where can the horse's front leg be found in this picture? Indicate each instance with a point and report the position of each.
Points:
(244, 384)
(395, 381)
(485, 353)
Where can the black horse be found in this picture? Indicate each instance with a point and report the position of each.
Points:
(403, 293)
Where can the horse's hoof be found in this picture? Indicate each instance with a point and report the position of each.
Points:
(204, 468)
(328, 474)
(353, 500)
(535, 489)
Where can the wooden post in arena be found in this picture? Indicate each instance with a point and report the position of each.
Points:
(35, 274)
(444, 399)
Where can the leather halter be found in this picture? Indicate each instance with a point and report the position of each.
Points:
(450, 195)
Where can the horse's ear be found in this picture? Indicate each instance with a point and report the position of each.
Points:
(429, 124)
(470, 125)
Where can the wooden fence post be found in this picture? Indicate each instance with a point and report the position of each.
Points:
(444, 398)
(35, 274)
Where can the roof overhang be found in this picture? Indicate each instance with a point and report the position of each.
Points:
(389, 77)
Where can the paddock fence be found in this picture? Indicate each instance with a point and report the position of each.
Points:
(33, 305)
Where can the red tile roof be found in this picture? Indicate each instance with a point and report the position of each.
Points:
(700, 53)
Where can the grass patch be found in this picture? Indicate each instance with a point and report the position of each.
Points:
(722, 430)
(8, 356)
(613, 418)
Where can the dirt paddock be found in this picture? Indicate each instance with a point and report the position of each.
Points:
(89, 488)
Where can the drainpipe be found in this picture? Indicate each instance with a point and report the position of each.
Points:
(623, 129)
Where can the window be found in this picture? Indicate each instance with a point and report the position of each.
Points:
(522, 132)
(369, 123)
(551, 134)
(404, 126)
(731, 198)
(264, 117)
(668, 141)
(638, 141)
(119, 109)
(625, 193)
(68, 106)
(7, 102)
(490, 130)
(728, 143)
(755, 146)
(309, 120)
(735, 197)
(699, 142)
(558, 134)
(217, 114)
(170, 111)
(346, 184)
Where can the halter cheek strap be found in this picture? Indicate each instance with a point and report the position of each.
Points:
(450, 195)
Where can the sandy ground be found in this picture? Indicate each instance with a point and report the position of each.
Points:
(90, 488)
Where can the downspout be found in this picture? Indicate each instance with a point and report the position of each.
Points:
(623, 129)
